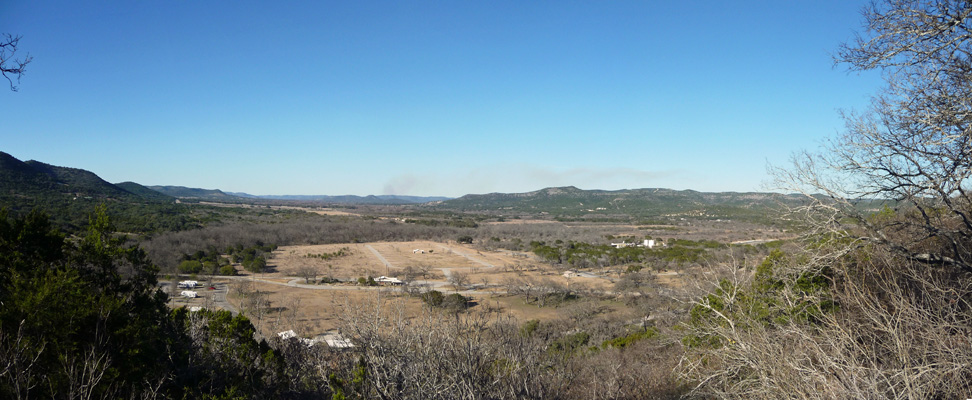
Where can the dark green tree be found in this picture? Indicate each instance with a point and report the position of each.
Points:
(79, 318)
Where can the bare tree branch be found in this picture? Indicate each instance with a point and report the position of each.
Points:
(11, 68)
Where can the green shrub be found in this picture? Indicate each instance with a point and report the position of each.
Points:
(433, 298)
(624, 341)
(209, 268)
(190, 267)
(455, 302)
(529, 327)
(255, 265)
(569, 344)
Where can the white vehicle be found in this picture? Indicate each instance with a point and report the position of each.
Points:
(190, 294)
(188, 284)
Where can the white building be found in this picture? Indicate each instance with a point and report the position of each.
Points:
(388, 280)
(335, 340)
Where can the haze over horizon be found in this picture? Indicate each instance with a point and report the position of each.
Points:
(429, 98)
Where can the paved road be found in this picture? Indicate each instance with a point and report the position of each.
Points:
(216, 296)
(219, 298)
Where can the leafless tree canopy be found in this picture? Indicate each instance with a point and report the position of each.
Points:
(912, 146)
(459, 279)
(484, 356)
(10, 67)
(896, 277)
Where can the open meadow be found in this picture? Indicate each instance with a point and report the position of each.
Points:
(309, 288)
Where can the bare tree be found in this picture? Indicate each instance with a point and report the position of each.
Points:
(459, 279)
(292, 315)
(243, 288)
(888, 236)
(253, 302)
(913, 147)
(408, 274)
(639, 283)
(19, 362)
(12, 68)
(308, 272)
(443, 356)
(900, 332)
(85, 373)
(547, 289)
(426, 270)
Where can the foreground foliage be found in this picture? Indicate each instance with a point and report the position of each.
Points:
(83, 318)
(890, 310)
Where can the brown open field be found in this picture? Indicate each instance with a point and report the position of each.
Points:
(390, 258)
(313, 309)
(317, 308)
(315, 210)
(309, 312)
(325, 211)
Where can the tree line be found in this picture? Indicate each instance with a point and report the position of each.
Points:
(84, 317)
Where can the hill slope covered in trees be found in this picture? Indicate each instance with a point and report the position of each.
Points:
(571, 202)
(69, 195)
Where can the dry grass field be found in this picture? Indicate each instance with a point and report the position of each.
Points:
(314, 308)
(315, 210)
(391, 258)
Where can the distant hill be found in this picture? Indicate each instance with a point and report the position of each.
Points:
(571, 202)
(19, 178)
(69, 195)
(183, 192)
(144, 192)
(348, 199)
(23, 180)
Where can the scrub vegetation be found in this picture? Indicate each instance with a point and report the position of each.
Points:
(858, 284)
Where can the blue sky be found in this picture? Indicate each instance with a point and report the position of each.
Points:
(428, 97)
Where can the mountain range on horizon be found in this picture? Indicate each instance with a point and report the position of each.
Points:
(91, 180)
(24, 185)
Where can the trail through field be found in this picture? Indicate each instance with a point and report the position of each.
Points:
(447, 271)
(468, 257)
(380, 257)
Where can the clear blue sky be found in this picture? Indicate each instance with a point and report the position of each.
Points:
(428, 97)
